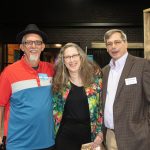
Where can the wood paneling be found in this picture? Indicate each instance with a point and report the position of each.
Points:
(146, 15)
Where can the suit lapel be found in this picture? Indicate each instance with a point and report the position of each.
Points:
(126, 70)
(105, 81)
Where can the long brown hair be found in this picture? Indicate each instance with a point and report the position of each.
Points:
(88, 69)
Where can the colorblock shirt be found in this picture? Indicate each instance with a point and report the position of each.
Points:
(25, 94)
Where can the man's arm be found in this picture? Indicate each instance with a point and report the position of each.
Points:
(1, 122)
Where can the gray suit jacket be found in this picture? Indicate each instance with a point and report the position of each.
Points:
(131, 105)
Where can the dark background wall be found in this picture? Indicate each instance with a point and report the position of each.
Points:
(80, 21)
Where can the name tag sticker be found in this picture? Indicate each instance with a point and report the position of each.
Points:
(43, 76)
(130, 81)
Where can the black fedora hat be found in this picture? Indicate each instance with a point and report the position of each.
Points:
(32, 28)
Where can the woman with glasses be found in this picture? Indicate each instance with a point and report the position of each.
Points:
(77, 109)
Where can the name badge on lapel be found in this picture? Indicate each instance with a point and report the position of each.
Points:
(130, 81)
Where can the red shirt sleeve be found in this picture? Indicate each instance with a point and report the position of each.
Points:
(5, 88)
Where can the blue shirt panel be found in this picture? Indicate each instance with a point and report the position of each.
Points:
(31, 123)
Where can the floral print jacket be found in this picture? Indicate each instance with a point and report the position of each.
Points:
(95, 108)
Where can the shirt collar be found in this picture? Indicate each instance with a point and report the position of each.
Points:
(27, 66)
(118, 63)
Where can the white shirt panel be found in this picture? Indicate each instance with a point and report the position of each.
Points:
(25, 84)
(113, 79)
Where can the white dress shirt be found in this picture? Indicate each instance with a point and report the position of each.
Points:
(113, 79)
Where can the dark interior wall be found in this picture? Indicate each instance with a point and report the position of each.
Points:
(85, 36)
(81, 21)
(58, 11)
(1, 55)
(82, 35)
(69, 20)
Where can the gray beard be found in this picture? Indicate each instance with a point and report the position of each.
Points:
(33, 57)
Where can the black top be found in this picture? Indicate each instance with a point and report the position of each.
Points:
(76, 107)
(75, 128)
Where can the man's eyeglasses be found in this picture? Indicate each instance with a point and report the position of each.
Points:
(75, 56)
(30, 43)
(116, 42)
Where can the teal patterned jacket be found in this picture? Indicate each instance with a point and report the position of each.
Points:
(95, 107)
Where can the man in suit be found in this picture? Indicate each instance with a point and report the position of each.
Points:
(126, 96)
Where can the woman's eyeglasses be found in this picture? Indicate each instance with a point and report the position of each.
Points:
(68, 58)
